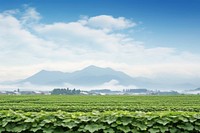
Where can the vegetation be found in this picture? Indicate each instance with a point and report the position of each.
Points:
(64, 91)
(94, 122)
(74, 103)
(135, 90)
(104, 114)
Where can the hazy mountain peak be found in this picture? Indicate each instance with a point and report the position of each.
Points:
(89, 76)
(93, 67)
(48, 72)
(43, 71)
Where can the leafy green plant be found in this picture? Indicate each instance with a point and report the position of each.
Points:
(95, 122)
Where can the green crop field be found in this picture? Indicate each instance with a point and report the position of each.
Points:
(99, 114)
(74, 103)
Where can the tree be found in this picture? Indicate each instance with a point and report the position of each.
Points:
(63, 91)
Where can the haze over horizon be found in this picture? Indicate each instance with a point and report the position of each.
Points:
(150, 38)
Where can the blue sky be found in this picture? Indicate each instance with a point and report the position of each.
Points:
(157, 39)
(173, 23)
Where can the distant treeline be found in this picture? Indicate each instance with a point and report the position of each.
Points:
(135, 90)
(63, 91)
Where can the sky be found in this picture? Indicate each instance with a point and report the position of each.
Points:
(143, 38)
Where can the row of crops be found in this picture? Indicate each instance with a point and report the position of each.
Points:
(101, 103)
(99, 114)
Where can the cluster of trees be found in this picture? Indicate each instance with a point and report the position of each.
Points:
(63, 91)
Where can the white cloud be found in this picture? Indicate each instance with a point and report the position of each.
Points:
(74, 45)
(108, 23)
(19, 46)
(30, 16)
(11, 12)
(112, 85)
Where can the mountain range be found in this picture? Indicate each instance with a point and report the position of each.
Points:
(94, 76)
(89, 76)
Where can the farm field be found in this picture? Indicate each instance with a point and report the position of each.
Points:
(74, 103)
(99, 114)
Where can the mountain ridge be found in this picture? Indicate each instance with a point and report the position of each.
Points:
(94, 76)
(88, 76)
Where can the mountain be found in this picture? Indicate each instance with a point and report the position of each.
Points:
(197, 89)
(93, 76)
(89, 76)
(46, 78)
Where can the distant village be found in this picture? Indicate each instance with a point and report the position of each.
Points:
(18, 92)
(67, 91)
